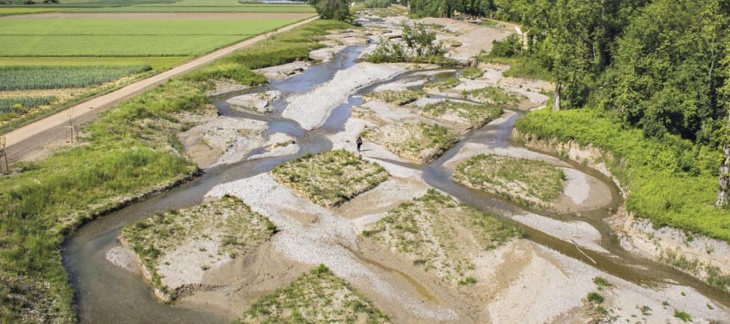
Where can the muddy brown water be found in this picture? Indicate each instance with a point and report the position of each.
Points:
(106, 293)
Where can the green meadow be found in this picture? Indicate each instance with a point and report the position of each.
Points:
(126, 37)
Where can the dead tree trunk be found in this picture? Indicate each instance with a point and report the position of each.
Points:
(556, 99)
(724, 178)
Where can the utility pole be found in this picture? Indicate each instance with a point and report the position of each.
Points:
(3, 155)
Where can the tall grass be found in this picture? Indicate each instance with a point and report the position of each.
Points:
(55, 77)
(670, 181)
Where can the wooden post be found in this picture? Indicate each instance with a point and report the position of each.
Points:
(3, 155)
(71, 133)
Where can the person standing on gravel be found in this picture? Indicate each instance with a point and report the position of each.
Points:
(358, 142)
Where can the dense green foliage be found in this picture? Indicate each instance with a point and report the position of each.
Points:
(671, 181)
(419, 46)
(130, 151)
(332, 9)
(377, 3)
(54, 77)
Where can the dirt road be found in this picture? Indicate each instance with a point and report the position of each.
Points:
(32, 138)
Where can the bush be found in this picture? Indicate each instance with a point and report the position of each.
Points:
(378, 3)
(508, 47)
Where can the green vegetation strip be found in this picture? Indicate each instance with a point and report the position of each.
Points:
(11, 107)
(131, 150)
(54, 77)
(227, 222)
(316, 297)
(420, 141)
(476, 115)
(521, 67)
(427, 230)
(471, 73)
(330, 178)
(397, 97)
(127, 37)
(528, 181)
(671, 182)
(495, 95)
(443, 84)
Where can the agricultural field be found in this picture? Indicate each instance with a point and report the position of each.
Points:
(71, 57)
(330, 178)
(23, 11)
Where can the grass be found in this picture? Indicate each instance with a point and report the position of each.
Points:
(129, 152)
(318, 296)
(399, 98)
(55, 77)
(682, 316)
(127, 37)
(23, 11)
(601, 282)
(200, 6)
(471, 73)
(415, 141)
(670, 182)
(156, 63)
(227, 223)
(520, 67)
(437, 232)
(475, 115)
(595, 298)
(443, 84)
(495, 95)
(535, 183)
(330, 178)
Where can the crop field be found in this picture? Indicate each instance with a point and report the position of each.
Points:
(156, 63)
(252, 8)
(24, 11)
(126, 37)
(54, 77)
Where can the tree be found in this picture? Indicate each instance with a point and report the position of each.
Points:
(332, 9)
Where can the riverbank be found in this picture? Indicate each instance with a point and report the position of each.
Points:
(698, 255)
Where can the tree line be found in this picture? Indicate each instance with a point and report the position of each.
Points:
(660, 65)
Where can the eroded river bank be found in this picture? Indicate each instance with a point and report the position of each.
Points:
(547, 276)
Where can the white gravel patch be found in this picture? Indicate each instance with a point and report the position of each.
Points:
(384, 110)
(583, 234)
(325, 241)
(122, 257)
(542, 285)
(578, 188)
(260, 102)
(311, 109)
(184, 265)
(280, 72)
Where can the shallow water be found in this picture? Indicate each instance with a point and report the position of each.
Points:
(107, 293)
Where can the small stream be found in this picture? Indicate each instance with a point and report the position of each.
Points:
(107, 293)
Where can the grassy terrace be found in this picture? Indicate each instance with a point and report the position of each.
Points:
(496, 96)
(316, 297)
(330, 178)
(439, 233)
(399, 98)
(228, 225)
(475, 115)
(671, 182)
(419, 142)
(130, 151)
(527, 181)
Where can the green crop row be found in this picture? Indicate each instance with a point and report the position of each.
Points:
(671, 182)
(55, 77)
(12, 107)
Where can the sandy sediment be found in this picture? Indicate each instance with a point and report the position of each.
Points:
(122, 257)
(258, 102)
(280, 72)
(222, 140)
(311, 109)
